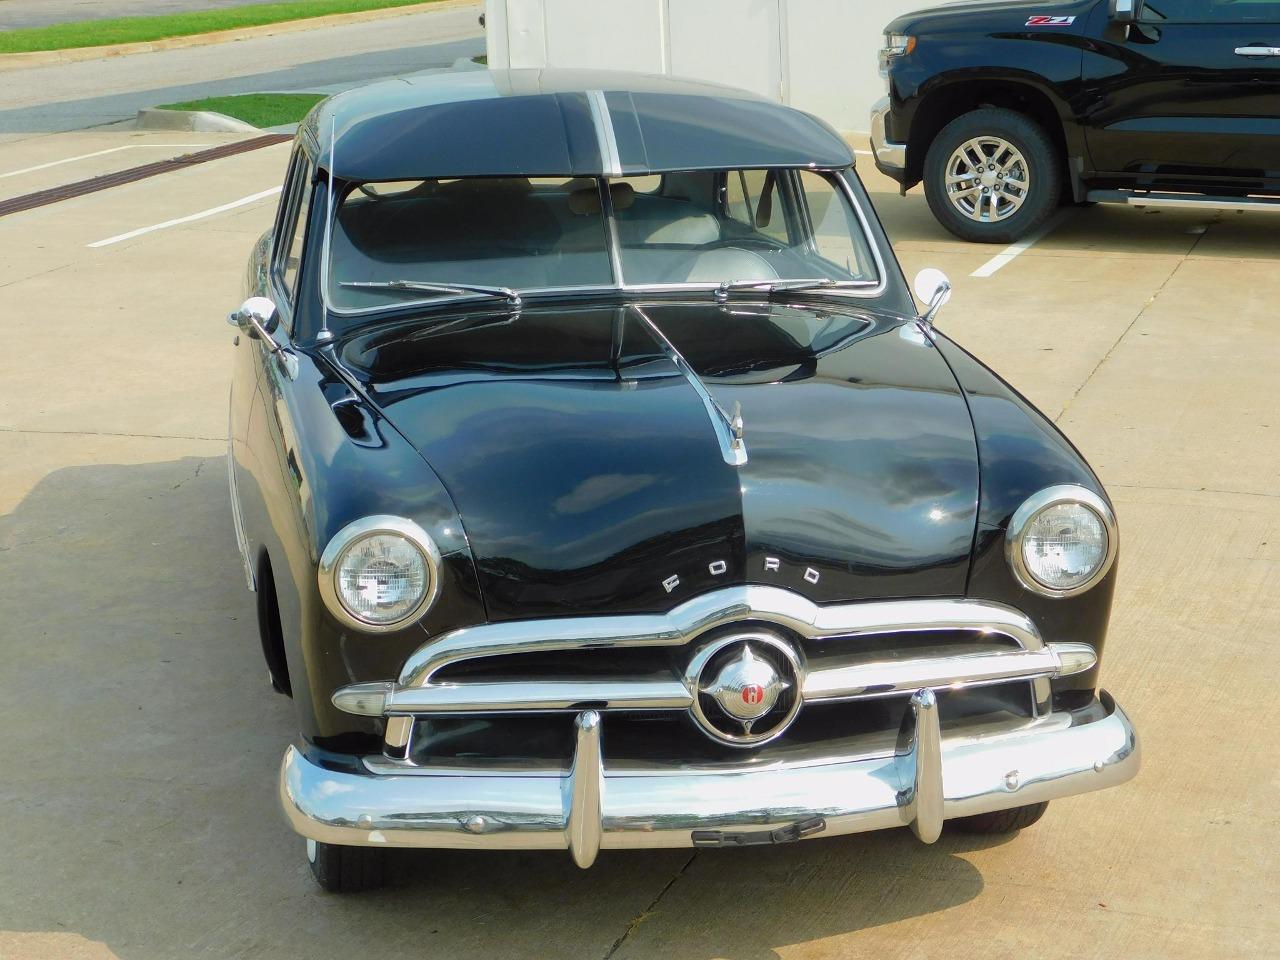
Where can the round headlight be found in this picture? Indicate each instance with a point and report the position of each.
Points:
(379, 573)
(1062, 541)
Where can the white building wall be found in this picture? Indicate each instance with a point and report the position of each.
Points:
(818, 55)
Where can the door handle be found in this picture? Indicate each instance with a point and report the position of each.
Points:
(1258, 51)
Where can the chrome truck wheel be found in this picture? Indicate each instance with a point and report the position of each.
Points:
(992, 176)
(987, 179)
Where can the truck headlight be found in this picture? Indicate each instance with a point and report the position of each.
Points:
(380, 573)
(895, 45)
(1062, 541)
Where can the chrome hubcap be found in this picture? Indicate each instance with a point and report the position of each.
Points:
(987, 179)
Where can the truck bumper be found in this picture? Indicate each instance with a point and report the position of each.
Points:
(891, 158)
(922, 776)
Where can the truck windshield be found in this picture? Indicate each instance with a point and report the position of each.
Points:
(433, 240)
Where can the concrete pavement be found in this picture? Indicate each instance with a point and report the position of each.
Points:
(138, 817)
(73, 96)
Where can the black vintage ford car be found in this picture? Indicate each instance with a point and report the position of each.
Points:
(1004, 108)
(602, 488)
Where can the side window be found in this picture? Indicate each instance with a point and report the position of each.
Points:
(293, 226)
(1211, 11)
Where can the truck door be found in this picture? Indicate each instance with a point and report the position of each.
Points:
(1186, 97)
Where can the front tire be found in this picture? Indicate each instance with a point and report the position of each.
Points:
(992, 176)
(341, 869)
(1001, 821)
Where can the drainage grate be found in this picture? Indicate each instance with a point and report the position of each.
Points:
(82, 187)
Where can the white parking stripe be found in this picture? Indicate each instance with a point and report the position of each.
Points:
(212, 211)
(100, 153)
(1022, 246)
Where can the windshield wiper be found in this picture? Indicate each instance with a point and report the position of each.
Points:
(727, 286)
(422, 286)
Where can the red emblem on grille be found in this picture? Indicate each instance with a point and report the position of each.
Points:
(752, 693)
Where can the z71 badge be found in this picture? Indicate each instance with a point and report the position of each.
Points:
(1050, 21)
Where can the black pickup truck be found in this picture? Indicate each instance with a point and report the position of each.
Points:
(1007, 109)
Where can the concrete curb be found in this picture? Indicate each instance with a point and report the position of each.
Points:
(199, 121)
(43, 58)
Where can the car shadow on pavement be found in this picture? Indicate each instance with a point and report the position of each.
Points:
(141, 745)
(1101, 228)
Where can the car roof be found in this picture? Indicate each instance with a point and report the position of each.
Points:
(558, 123)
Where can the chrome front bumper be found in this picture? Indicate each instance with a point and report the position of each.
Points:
(921, 777)
(891, 157)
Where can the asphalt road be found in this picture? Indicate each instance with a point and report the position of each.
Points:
(91, 93)
(138, 808)
(17, 14)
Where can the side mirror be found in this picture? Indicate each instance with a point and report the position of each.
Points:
(933, 288)
(1125, 11)
(257, 317)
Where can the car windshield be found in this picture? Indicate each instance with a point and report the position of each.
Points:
(433, 240)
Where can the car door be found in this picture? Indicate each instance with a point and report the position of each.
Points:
(270, 480)
(279, 363)
(1187, 96)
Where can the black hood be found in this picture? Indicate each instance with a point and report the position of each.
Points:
(986, 15)
(589, 476)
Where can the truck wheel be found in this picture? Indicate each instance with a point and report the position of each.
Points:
(341, 869)
(1001, 821)
(992, 176)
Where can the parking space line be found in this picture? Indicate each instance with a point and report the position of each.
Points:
(212, 211)
(101, 153)
(1007, 255)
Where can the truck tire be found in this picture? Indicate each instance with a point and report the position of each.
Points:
(1001, 821)
(992, 157)
(340, 869)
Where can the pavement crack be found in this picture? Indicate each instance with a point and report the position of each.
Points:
(1136, 317)
(1120, 339)
(1231, 493)
(648, 911)
(108, 433)
(199, 466)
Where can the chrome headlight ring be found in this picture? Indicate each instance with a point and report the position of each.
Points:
(350, 536)
(1061, 494)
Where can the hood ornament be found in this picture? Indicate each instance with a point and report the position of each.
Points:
(738, 429)
(728, 428)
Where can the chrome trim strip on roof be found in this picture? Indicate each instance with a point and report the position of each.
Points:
(610, 162)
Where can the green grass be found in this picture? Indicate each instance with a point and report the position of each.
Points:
(259, 109)
(98, 33)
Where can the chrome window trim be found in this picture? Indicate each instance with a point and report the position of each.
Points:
(1051, 496)
(368, 526)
